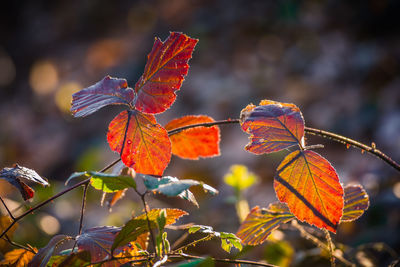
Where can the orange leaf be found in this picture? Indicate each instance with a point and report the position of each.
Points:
(166, 67)
(194, 142)
(311, 188)
(273, 126)
(356, 201)
(5, 221)
(172, 215)
(18, 258)
(259, 223)
(142, 143)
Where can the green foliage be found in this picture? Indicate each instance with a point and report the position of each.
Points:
(240, 178)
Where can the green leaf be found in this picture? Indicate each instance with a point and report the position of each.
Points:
(172, 186)
(207, 262)
(227, 239)
(110, 183)
(81, 258)
(162, 220)
(75, 175)
(240, 178)
(131, 231)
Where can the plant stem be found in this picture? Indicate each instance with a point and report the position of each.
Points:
(142, 196)
(83, 208)
(6, 238)
(86, 181)
(319, 243)
(329, 135)
(5, 206)
(208, 237)
(186, 256)
(330, 247)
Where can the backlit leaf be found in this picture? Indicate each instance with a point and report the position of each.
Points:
(81, 258)
(5, 221)
(17, 174)
(108, 91)
(273, 126)
(356, 201)
(228, 240)
(166, 67)
(259, 223)
(17, 258)
(44, 254)
(134, 228)
(110, 183)
(141, 142)
(194, 142)
(172, 186)
(310, 186)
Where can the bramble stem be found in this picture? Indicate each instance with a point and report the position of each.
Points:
(5, 206)
(329, 135)
(83, 208)
(142, 196)
(186, 256)
(330, 247)
(208, 237)
(86, 181)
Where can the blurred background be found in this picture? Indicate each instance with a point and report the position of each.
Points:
(339, 61)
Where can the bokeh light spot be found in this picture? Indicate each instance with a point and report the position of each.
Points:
(396, 189)
(43, 77)
(49, 224)
(63, 96)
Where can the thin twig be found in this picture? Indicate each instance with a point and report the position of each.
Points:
(345, 140)
(6, 238)
(186, 256)
(319, 243)
(16, 219)
(208, 237)
(330, 247)
(336, 137)
(5, 206)
(83, 208)
(142, 196)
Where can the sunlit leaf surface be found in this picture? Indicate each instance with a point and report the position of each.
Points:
(273, 126)
(166, 67)
(108, 91)
(141, 142)
(17, 258)
(194, 142)
(17, 174)
(110, 183)
(311, 188)
(356, 201)
(259, 223)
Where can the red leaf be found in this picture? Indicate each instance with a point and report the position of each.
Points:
(311, 188)
(167, 65)
(195, 142)
(108, 91)
(142, 143)
(356, 201)
(259, 223)
(273, 126)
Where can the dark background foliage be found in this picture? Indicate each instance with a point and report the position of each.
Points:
(339, 61)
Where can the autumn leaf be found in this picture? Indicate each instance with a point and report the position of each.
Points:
(259, 223)
(5, 221)
(108, 91)
(18, 257)
(136, 227)
(166, 67)
(273, 126)
(311, 188)
(141, 142)
(17, 174)
(356, 201)
(195, 142)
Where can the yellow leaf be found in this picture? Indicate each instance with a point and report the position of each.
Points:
(5, 221)
(18, 257)
(240, 178)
